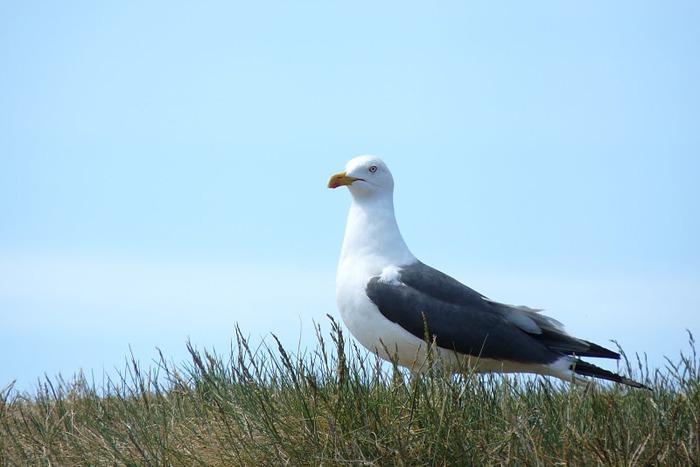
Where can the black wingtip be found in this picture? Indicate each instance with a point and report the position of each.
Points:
(599, 351)
(587, 369)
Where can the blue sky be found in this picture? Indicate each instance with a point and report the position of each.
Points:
(163, 166)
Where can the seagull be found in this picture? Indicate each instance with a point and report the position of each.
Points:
(416, 316)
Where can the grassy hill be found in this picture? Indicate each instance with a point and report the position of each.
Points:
(337, 406)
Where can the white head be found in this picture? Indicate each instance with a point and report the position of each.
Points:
(372, 237)
(365, 177)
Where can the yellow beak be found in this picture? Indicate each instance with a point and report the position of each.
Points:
(341, 179)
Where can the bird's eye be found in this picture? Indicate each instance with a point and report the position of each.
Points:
(373, 169)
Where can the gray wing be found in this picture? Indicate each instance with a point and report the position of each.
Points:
(461, 319)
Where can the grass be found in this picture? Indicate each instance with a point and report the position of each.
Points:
(336, 405)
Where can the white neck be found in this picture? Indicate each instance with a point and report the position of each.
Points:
(372, 232)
